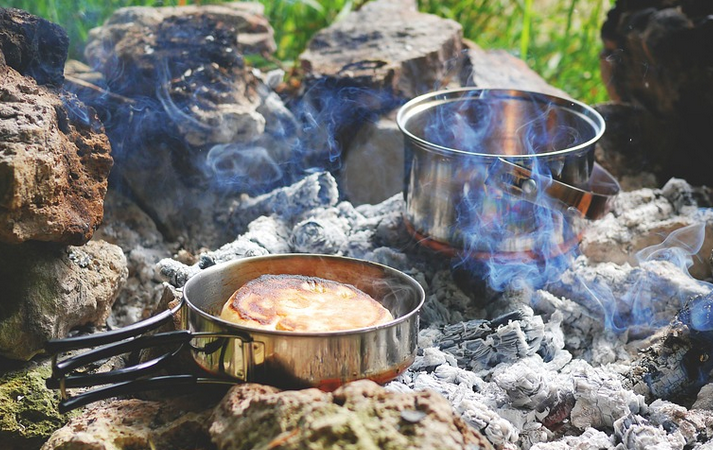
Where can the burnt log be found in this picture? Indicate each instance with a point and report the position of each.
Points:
(658, 56)
(33, 46)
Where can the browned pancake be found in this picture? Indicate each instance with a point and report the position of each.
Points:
(299, 303)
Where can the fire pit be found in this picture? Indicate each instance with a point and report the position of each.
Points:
(586, 329)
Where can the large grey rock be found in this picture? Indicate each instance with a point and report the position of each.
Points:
(48, 289)
(498, 69)
(385, 45)
(374, 163)
(54, 164)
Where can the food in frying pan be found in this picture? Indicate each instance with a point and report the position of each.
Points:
(303, 304)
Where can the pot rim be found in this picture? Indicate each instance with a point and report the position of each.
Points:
(242, 329)
(431, 99)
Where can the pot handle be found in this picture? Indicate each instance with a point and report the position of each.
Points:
(592, 202)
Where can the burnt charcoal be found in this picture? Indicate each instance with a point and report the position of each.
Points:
(33, 46)
(677, 363)
(479, 344)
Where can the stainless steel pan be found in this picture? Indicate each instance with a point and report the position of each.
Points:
(229, 353)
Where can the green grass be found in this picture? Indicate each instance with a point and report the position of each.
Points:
(559, 39)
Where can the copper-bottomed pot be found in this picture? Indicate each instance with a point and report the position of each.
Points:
(473, 155)
(231, 353)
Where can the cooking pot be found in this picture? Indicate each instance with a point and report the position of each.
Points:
(229, 353)
(487, 156)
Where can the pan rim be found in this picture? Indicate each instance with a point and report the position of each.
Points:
(242, 329)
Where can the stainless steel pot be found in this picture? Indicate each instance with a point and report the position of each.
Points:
(229, 353)
(478, 153)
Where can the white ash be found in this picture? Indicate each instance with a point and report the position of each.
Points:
(643, 218)
(635, 432)
(288, 203)
(590, 439)
(530, 368)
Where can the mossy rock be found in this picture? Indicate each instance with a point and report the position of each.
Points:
(28, 410)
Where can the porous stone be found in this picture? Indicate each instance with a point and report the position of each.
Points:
(204, 125)
(54, 164)
(176, 424)
(358, 415)
(50, 288)
(28, 410)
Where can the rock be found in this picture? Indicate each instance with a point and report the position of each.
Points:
(127, 226)
(204, 125)
(358, 415)
(634, 146)
(497, 69)
(374, 163)
(33, 46)
(54, 164)
(384, 46)
(657, 56)
(176, 424)
(28, 410)
(48, 289)
(366, 65)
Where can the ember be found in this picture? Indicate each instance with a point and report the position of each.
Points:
(546, 324)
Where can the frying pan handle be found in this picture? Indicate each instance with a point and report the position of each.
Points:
(134, 386)
(55, 346)
(67, 365)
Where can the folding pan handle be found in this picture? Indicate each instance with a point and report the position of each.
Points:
(134, 386)
(60, 369)
(55, 346)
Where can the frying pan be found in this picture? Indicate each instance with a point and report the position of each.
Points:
(230, 353)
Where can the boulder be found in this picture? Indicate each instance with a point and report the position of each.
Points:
(203, 122)
(49, 289)
(358, 415)
(28, 410)
(386, 46)
(365, 65)
(54, 164)
(175, 424)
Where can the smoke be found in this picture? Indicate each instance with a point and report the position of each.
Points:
(513, 233)
(644, 298)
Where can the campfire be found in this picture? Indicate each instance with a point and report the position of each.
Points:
(540, 266)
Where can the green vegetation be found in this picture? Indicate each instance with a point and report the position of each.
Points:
(559, 39)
